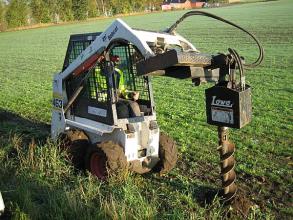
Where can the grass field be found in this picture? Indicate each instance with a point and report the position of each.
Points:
(38, 182)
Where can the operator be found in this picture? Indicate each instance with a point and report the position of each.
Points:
(126, 105)
(101, 82)
(119, 78)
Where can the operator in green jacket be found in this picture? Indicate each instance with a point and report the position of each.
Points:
(126, 105)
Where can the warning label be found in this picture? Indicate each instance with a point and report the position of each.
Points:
(223, 115)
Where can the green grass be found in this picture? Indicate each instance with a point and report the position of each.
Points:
(38, 182)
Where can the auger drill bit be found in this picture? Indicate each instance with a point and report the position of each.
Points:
(227, 163)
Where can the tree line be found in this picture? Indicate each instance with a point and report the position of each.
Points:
(17, 13)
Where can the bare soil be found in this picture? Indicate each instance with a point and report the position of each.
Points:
(241, 204)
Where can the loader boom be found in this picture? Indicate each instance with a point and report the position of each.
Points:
(120, 31)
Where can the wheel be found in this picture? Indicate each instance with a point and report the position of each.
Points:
(75, 142)
(104, 159)
(167, 154)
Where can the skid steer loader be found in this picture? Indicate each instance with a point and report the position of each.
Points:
(103, 103)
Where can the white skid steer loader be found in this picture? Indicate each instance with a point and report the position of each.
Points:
(103, 103)
(93, 114)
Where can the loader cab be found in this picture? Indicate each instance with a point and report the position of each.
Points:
(100, 99)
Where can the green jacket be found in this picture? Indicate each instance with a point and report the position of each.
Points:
(102, 84)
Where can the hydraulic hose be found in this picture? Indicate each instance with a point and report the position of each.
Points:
(258, 61)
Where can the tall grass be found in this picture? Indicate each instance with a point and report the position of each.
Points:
(43, 184)
(40, 183)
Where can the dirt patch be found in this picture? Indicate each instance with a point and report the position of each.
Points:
(204, 171)
(239, 207)
(241, 204)
(261, 192)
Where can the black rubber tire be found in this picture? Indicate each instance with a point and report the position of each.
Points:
(168, 154)
(75, 142)
(113, 159)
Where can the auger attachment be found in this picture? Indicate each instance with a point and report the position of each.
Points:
(227, 164)
(228, 105)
